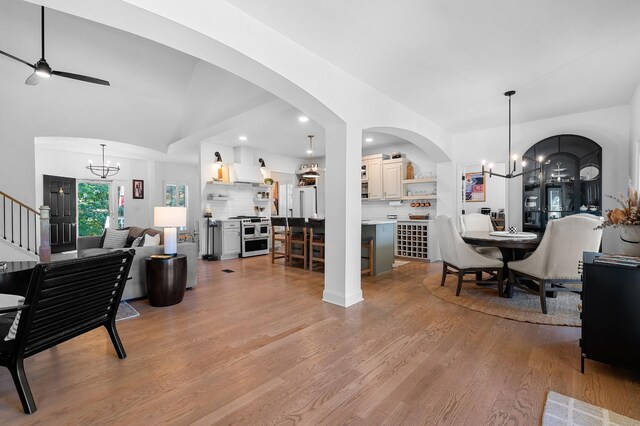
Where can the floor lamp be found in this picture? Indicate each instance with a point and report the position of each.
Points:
(170, 218)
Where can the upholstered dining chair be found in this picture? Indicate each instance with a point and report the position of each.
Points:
(473, 222)
(459, 258)
(553, 266)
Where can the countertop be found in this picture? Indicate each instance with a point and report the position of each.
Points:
(378, 222)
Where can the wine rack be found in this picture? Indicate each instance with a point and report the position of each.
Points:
(415, 240)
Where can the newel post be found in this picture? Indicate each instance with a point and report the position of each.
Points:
(45, 248)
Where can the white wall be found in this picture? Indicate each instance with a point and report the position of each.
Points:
(607, 127)
(179, 173)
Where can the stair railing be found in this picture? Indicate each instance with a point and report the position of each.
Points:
(21, 224)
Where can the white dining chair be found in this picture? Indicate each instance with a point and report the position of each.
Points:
(554, 265)
(473, 222)
(459, 258)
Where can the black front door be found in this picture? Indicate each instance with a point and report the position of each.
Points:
(59, 193)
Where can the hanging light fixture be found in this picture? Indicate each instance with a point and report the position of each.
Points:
(106, 170)
(311, 173)
(514, 158)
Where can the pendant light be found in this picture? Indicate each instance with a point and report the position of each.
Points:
(311, 173)
(512, 173)
(106, 170)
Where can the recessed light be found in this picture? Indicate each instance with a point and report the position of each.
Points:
(303, 119)
(243, 138)
(309, 151)
(368, 140)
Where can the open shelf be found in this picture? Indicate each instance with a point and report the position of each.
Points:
(421, 180)
(419, 197)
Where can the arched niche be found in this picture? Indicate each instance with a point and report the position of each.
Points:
(563, 176)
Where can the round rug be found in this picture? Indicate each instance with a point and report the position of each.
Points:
(522, 306)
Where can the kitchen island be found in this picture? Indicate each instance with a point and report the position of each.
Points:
(382, 232)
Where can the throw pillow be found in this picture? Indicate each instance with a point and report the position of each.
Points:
(151, 240)
(115, 238)
(137, 242)
(12, 300)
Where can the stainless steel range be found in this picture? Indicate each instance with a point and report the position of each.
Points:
(255, 235)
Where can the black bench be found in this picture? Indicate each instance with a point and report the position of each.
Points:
(64, 300)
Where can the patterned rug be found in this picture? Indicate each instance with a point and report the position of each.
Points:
(562, 410)
(522, 306)
(126, 311)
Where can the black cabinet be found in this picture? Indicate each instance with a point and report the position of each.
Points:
(610, 314)
(562, 177)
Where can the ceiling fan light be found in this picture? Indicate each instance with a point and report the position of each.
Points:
(43, 69)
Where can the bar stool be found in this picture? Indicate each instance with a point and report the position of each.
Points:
(280, 236)
(367, 243)
(316, 239)
(297, 231)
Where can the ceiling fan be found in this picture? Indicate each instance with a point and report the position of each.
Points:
(42, 69)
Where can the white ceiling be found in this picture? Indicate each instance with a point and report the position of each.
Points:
(452, 60)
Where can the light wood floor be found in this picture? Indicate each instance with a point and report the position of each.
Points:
(258, 346)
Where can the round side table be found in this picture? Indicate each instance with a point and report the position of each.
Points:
(166, 280)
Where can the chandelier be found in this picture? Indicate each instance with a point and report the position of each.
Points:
(511, 174)
(106, 170)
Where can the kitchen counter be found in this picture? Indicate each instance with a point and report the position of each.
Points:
(378, 222)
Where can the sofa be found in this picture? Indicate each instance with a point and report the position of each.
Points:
(136, 286)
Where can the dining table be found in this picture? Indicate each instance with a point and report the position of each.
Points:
(512, 247)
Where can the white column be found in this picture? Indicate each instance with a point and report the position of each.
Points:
(45, 249)
(343, 215)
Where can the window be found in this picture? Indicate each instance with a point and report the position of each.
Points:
(120, 204)
(176, 195)
(93, 208)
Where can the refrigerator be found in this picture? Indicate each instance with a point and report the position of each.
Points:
(305, 201)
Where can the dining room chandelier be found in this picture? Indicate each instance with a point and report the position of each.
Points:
(512, 173)
(106, 169)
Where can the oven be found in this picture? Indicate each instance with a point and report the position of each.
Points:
(256, 233)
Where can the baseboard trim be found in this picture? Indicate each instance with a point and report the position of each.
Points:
(341, 299)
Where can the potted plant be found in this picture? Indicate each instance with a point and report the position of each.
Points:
(268, 181)
(627, 218)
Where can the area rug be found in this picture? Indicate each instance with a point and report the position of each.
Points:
(522, 306)
(126, 311)
(562, 410)
(398, 263)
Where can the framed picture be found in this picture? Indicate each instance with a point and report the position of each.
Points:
(474, 187)
(138, 189)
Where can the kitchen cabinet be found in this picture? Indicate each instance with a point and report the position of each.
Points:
(372, 187)
(230, 239)
(416, 239)
(393, 172)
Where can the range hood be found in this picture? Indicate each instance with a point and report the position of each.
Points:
(246, 173)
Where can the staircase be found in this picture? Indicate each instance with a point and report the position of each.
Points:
(21, 231)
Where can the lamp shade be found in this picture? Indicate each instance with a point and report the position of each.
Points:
(169, 216)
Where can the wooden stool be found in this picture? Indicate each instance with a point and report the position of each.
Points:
(297, 235)
(316, 239)
(281, 237)
(368, 244)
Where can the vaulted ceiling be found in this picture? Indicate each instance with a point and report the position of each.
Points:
(450, 61)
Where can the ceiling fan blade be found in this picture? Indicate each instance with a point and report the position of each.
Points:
(33, 79)
(17, 59)
(81, 77)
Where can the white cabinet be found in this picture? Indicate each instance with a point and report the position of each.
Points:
(393, 172)
(230, 239)
(374, 173)
(372, 187)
